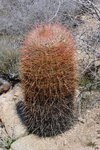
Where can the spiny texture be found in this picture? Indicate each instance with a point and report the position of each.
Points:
(49, 80)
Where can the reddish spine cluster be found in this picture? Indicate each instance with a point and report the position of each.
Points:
(49, 79)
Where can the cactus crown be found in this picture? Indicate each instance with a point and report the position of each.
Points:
(47, 63)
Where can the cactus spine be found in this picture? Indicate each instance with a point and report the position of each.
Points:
(49, 79)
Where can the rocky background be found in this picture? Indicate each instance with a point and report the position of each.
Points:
(82, 17)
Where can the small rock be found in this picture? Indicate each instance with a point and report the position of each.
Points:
(4, 86)
(81, 120)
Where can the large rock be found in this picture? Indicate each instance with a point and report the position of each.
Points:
(75, 139)
(11, 120)
(8, 114)
(35, 143)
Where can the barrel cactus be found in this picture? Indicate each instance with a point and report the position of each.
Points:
(48, 73)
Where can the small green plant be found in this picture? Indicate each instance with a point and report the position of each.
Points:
(9, 65)
(98, 131)
(8, 143)
(84, 81)
(85, 102)
(88, 84)
(1, 144)
(91, 144)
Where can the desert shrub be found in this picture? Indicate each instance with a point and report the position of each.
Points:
(9, 65)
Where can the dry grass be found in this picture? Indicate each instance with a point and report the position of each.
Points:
(9, 65)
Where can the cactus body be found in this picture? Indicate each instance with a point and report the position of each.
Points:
(49, 79)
